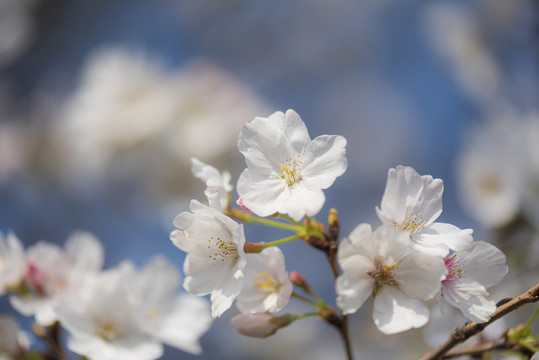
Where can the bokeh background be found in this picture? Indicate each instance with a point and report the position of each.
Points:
(102, 104)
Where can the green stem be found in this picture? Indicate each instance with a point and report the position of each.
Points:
(280, 241)
(305, 300)
(286, 217)
(534, 315)
(528, 346)
(302, 316)
(247, 217)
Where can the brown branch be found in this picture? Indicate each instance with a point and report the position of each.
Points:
(462, 333)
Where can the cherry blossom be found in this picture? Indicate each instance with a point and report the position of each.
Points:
(215, 257)
(102, 320)
(470, 273)
(286, 171)
(177, 320)
(411, 203)
(50, 270)
(12, 262)
(267, 286)
(218, 184)
(380, 263)
(259, 325)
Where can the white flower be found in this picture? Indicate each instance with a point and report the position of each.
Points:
(490, 171)
(470, 273)
(267, 286)
(13, 342)
(411, 203)
(286, 171)
(177, 320)
(379, 263)
(12, 262)
(50, 270)
(102, 320)
(216, 259)
(217, 184)
(259, 325)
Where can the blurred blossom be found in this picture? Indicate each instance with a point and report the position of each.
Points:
(530, 196)
(16, 28)
(13, 342)
(12, 262)
(14, 146)
(454, 32)
(130, 114)
(51, 270)
(490, 168)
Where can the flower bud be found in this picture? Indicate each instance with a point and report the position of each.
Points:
(259, 325)
(298, 280)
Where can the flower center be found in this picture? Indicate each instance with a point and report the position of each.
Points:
(291, 170)
(413, 223)
(222, 250)
(266, 283)
(490, 185)
(106, 330)
(382, 275)
(454, 271)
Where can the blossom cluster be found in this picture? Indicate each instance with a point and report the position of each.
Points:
(119, 313)
(407, 259)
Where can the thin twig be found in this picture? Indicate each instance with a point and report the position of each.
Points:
(462, 333)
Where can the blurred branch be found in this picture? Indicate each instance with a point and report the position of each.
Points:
(462, 333)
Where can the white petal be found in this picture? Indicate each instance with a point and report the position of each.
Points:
(430, 200)
(438, 238)
(325, 159)
(261, 196)
(85, 250)
(402, 191)
(482, 262)
(471, 298)
(264, 145)
(395, 312)
(420, 275)
(296, 131)
(183, 326)
(352, 291)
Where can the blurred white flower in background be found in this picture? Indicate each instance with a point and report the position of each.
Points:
(490, 169)
(51, 270)
(132, 116)
(453, 30)
(12, 262)
(13, 342)
(16, 28)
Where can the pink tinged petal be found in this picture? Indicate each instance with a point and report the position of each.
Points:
(264, 146)
(420, 275)
(471, 298)
(325, 160)
(395, 312)
(262, 197)
(259, 325)
(352, 291)
(296, 131)
(482, 262)
(403, 189)
(438, 238)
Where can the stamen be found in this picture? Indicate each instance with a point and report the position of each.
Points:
(413, 223)
(291, 170)
(453, 268)
(106, 331)
(224, 250)
(383, 275)
(266, 283)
